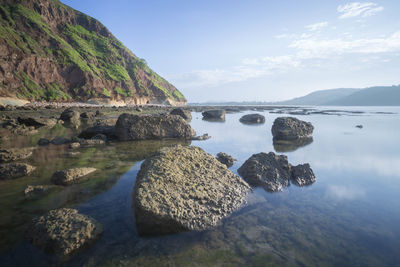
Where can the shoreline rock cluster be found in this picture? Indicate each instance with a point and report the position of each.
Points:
(274, 172)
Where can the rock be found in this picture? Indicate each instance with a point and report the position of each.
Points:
(100, 137)
(92, 142)
(139, 109)
(108, 131)
(359, 126)
(88, 115)
(270, 171)
(99, 113)
(184, 188)
(69, 176)
(43, 142)
(15, 170)
(252, 119)
(289, 128)
(214, 114)
(226, 159)
(302, 175)
(185, 114)
(291, 145)
(142, 127)
(74, 145)
(33, 191)
(71, 117)
(60, 141)
(63, 231)
(37, 121)
(201, 137)
(13, 154)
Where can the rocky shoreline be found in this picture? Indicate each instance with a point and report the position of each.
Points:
(179, 188)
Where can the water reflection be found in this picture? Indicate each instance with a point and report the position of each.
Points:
(290, 145)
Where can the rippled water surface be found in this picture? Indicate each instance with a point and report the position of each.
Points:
(349, 217)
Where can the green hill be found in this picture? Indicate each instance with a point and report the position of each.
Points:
(49, 51)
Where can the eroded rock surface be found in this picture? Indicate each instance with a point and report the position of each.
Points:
(252, 119)
(214, 114)
(184, 188)
(12, 154)
(289, 128)
(143, 127)
(302, 174)
(274, 172)
(225, 159)
(71, 117)
(270, 171)
(33, 191)
(63, 231)
(68, 176)
(15, 170)
(184, 113)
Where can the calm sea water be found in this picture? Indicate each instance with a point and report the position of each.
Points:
(349, 217)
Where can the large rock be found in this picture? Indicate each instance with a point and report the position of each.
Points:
(71, 117)
(90, 132)
(12, 154)
(302, 174)
(63, 231)
(214, 114)
(274, 172)
(289, 128)
(184, 113)
(15, 170)
(270, 171)
(184, 188)
(225, 159)
(142, 127)
(69, 176)
(252, 119)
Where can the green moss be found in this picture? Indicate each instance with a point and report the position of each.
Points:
(106, 92)
(120, 91)
(117, 72)
(54, 91)
(178, 95)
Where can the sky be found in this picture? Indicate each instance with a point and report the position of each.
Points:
(258, 50)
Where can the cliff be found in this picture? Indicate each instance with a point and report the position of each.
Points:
(49, 51)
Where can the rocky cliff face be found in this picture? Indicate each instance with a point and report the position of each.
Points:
(49, 51)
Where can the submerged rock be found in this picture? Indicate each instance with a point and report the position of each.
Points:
(185, 114)
(63, 231)
(43, 142)
(184, 188)
(60, 141)
(37, 121)
(33, 191)
(302, 175)
(214, 114)
(12, 154)
(359, 126)
(289, 128)
(201, 137)
(108, 131)
(225, 159)
(143, 127)
(69, 176)
(15, 170)
(270, 171)
(252, 119)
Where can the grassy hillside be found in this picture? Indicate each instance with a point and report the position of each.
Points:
(49, 51)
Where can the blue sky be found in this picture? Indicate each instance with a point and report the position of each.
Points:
(223, 50)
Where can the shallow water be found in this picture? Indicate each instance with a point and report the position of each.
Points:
(348, 217)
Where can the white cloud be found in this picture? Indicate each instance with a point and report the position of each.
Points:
(355, 9)
(250, 68)
(345, 193)
(314, 48)
(317, 26)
